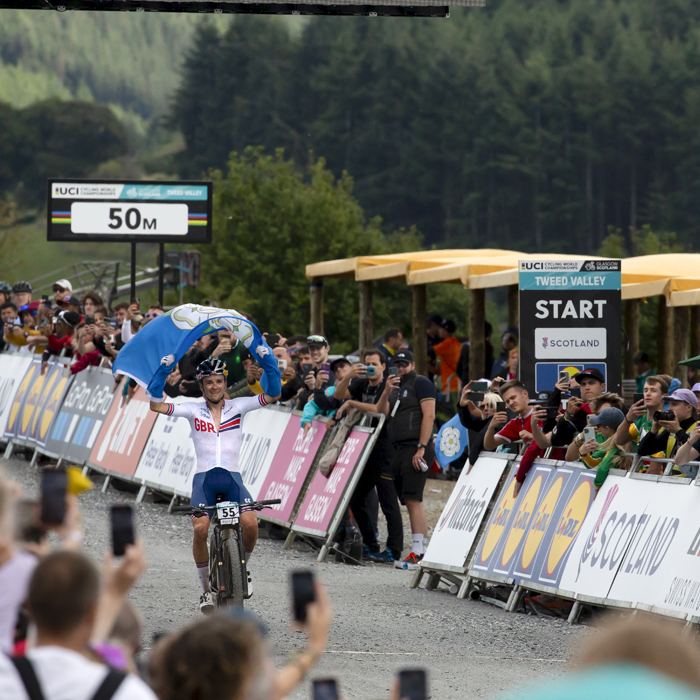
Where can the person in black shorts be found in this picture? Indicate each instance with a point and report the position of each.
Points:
(362, 391)
(410, 401)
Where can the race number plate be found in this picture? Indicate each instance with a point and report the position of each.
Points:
(228, 513)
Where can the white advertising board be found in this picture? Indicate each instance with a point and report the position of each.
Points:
(168, 460)
(12, 368)
(262, 433)
(605, 536)
(459, 523)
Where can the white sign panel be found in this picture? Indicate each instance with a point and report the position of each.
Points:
(12, 368)
(262, 432)
(459, 523)
(570, 343)
(129, 218)
(168, 459)
(603, 540)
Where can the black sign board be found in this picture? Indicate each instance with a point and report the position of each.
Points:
(117, 210)
(570, 320)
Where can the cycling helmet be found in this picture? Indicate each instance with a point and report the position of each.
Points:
(210, 367)
(5, 287)
(21, 287)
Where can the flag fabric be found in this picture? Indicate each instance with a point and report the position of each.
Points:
(451, 441)
(151, 354)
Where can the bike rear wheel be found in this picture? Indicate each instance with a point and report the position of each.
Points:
(233, 562)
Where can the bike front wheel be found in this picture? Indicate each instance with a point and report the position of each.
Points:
(234, 561)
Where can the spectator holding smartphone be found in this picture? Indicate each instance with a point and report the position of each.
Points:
(589, 450)
(476, 419)
(516, 399)
(61, 336)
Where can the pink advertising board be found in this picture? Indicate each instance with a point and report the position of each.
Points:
(289, 468)
(324, 494)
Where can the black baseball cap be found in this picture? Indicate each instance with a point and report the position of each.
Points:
(339, 361)
(435, 318)
(402, 356)
(590, 372)
(72, 318)
(449, 325)
(317, 341)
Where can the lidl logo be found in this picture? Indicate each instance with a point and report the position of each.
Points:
(522, 519)
(540, 523)
(569, 524)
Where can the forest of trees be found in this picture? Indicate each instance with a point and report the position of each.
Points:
(530, 124)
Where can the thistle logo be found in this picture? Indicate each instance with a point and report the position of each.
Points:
(544, 342)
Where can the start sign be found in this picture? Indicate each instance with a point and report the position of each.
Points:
(110, 210)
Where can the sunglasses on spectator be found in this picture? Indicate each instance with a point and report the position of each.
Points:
(401, 364)
(317, 339)
(153, 315)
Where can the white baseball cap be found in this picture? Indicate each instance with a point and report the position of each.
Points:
(63, 284)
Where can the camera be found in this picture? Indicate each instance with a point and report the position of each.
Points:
(664, 415)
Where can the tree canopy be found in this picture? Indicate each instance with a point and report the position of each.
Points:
(530, 125)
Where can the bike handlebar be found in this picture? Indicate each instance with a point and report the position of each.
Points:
(256, 505)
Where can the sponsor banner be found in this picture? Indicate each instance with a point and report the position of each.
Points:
(123, 435)
(169, 459)
(606, 535)
(14, 418)
(55, 389)
(262, 433)
(570, 313)
(324, 494)
(461, 518)
(554, 526)
(82, 414)
(680, 590)
(290, 467)
(13, 368)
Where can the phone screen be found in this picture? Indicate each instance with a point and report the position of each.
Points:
(413, 684)
(638, 397)
(303, 592)
(500, 406)
(54, 483)
(89, 320)
(325, 689)
(122, 517)
(307, 368)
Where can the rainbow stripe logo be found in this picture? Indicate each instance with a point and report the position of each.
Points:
(197, 219)
(60, 217)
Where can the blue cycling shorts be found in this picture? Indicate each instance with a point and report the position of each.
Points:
(206, 486)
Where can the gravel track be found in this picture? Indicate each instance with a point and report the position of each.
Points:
(471, 649)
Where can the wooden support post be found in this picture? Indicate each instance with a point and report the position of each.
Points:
(632, 330)
(664, 337)
(513, 306)
(420, 337)
(366, 330)
(694, 331)
(477, 345)
(681, 321)
(316, 298)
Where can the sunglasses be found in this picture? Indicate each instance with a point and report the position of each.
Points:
(152, 315)
(317, 339)
(401, 364)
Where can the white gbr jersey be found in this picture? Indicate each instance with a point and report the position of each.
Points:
(216, 449)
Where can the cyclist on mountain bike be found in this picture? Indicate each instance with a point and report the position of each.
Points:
(216, 431)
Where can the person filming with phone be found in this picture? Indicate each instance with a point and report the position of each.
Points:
(216, 431)
(410, 401)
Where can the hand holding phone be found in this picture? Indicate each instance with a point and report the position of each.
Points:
(393, 372)
(303, 592)
(122, 521)
(371, 371)
(589, 433)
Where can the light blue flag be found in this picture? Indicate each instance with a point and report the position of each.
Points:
(151, 354)
(451, 441)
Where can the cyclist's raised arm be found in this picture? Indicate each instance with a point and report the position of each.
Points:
(159, 406)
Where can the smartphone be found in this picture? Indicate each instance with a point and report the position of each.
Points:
(89, 320)
(500, 408)
(303, 592)
(480, 386)
(136, 301)
(564, 376)
(393, 372)
(476, 397)
(589, 433)
(113, 322)
(413, 684)
(282, 364)
(54, 483)
(325, 689)
(371, 371)
(638, 397)
(575, 392)
(122, 519)
(306, 369)
(326, 367)
(28, 529)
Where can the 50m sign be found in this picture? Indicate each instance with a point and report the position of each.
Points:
(109, 218)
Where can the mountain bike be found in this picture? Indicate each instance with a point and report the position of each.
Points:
(228, 573)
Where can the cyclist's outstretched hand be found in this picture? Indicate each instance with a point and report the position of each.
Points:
(318, 620)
